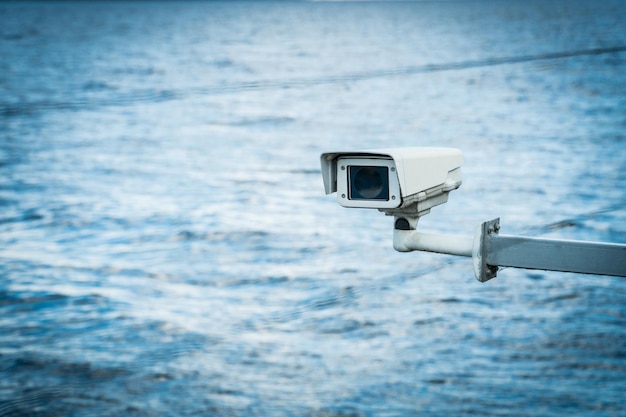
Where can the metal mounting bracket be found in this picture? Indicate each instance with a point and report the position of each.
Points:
(490, 250)
(483, 271)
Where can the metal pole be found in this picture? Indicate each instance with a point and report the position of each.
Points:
(556, 255)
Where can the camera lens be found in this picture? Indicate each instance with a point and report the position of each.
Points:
(369, 183)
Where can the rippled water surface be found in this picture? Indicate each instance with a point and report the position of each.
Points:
(166, 247)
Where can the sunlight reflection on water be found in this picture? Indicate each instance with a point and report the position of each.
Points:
(166, 247)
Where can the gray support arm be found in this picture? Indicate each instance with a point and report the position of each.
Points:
(556, 255)
(490, 250)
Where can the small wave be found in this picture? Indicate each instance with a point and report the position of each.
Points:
(338, 326)
(15, 110)
(31, 302)
(264, 280)
(558, 298)
(97, 86)
(305, 171)
(225, 236)
(26, 216)
(263, 121)
(425, 322)
(33, 107)
(450, 300)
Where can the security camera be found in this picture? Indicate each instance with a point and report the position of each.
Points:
(408, 182)
(401, 182)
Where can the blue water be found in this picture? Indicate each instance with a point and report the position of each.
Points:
(166, 247)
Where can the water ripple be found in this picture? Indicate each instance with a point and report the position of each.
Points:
(156, 96)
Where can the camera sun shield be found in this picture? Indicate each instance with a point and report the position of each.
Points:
(368, 182)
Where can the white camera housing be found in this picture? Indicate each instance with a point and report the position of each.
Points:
(398, 181)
